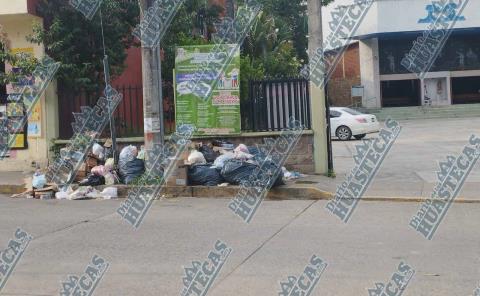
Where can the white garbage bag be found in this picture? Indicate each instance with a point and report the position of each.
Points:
(109, 179)
(109, 164)
(196, 157)
(39, 181)
(98, 151)
(219, 162)
(109, 193)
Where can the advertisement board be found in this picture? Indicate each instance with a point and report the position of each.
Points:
(218, 114)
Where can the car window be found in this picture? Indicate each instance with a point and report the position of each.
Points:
(351, 111)
(335, 114)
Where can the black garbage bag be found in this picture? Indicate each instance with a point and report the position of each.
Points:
(108, 153)
(93, 180)
(257, 154)
(271, 169)
(261, 157)
(236, 171)
(204, 175)
(132, 169)
(208, 153)
(223, 143)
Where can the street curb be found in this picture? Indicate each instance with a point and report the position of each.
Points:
(415, 199)
(11, 189)
(277, 193)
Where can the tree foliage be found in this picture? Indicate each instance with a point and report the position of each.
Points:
(77, 43)
(24, 63)
(278, 40)
(193, 21)
(275, 46)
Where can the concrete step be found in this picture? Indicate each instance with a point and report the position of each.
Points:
(399, 113)
(13, 182)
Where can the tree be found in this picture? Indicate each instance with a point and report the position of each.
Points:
(192, 25)
(265, 37)
(76, 42)
(25, 64)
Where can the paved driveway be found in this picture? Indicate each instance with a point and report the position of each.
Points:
(409, 168)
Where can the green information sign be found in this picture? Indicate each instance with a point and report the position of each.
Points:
(219, 114)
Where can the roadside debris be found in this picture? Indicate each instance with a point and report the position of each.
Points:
(218, 163)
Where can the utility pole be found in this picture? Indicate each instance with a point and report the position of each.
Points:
(317, 94)
(230, 8)
(152, 89)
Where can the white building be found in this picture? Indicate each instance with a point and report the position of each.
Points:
(387, 34)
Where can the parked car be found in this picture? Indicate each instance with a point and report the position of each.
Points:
(346, 122)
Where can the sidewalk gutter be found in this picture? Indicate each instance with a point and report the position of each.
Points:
(279, 193)
(11, 189)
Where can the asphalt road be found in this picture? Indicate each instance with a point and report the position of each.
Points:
(409, 169)
(278, 243)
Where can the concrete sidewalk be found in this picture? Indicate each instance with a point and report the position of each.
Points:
(409, 169)
(408, 172)
(310, 187)
(13, 182)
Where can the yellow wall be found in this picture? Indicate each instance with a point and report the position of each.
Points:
(17, 27)
(13, 7)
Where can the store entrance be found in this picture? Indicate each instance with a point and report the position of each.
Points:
(400, 93)
(466, 90)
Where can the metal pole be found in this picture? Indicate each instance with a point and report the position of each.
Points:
(152, 89)
(113, 131)
(329, 132)
(106, 72)
(230, 8)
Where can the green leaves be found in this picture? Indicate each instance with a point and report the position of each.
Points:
(25, 64)
(77, 42)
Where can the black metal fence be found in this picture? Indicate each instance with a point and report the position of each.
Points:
(270, 103)
(268, 106)
(128, 115)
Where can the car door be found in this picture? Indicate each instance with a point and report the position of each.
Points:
(334, 121)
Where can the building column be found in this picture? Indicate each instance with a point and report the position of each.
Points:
(370, 73)
(449, 90)
(51, 115)
(422, 91)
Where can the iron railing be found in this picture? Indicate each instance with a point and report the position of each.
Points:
(268, 106)
(128, 115)
(270, 103)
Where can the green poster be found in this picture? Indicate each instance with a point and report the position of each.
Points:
(219, 114)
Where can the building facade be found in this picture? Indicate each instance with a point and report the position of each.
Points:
(388, 33)
(32, 147)
(345, 76)
(16, 20)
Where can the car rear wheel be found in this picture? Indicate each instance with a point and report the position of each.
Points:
(343, 133)
(359, 137)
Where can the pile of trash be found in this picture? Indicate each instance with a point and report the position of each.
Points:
(97, 169)
(220, 163)
(87, 192)
(100, 168)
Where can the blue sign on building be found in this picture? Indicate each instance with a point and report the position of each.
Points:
(450, 12)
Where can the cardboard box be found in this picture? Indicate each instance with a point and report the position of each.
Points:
(91, 162)
(81, 173)
(179, 174)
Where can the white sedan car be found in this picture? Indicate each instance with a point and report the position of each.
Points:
(346, 122)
